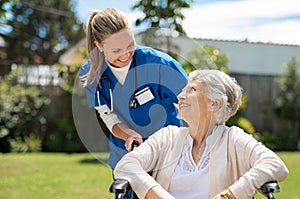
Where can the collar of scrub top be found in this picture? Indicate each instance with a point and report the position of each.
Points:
(132, 104)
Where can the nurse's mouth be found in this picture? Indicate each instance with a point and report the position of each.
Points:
(123, 60)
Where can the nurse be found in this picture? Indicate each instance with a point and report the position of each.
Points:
(133, 88)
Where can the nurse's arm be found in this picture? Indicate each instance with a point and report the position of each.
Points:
(122, 131)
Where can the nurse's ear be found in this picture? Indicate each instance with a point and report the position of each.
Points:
(99, 46)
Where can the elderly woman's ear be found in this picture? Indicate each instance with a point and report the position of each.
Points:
(215, 105)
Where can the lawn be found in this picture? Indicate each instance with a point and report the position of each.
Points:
(54, 176)
(290, 188)
(81, 176)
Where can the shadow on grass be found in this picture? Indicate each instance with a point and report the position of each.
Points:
(102, 161)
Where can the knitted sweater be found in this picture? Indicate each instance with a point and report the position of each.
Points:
(237, 162)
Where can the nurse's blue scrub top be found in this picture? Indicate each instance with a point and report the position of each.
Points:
(150, 68)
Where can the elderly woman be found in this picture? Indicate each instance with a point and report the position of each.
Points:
(207, 159)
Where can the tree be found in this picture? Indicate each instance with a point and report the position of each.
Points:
(206, 57)
(2, 10)
(162, 13)
(39, 32)
(288, 102)
(21, 115)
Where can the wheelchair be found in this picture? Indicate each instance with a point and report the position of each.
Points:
(121, 187)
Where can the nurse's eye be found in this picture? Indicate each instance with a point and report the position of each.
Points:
(131, 46)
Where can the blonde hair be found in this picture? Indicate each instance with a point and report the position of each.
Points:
(101, 25)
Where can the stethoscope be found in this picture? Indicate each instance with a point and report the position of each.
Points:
(133, 102)
(110, 94)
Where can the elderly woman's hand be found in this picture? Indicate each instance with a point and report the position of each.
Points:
(218, 197)
(225, 195)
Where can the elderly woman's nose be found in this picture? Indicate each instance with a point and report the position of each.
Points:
(181, 95)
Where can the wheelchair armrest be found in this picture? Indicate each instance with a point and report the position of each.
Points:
(269, 188)
(119, 186)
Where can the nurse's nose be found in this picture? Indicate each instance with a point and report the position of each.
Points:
(125, 55)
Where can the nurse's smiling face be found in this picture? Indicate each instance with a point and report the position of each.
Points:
(119, 48)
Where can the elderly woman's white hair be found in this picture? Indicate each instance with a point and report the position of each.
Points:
(220, 86)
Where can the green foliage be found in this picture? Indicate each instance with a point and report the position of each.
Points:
(241, 122)
(267, 138)
(30, 143)
(206, 57)
(287, 140)
(69, 73)
(288, 100)
(20, 108)
(39, 31)
(68, 76)
(288, 104)
(162, 13)
(63, 137)
(3, 13)
(161, 39)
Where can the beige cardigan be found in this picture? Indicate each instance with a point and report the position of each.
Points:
(237, 161)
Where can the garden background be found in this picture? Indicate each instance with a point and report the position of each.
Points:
(42, 152)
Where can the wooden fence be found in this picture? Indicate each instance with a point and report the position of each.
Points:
(262, 93)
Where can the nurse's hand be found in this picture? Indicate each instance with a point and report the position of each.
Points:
(131, 139)
(122, 131)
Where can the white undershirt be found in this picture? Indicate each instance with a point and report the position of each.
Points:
(119, 73)
(191, 181)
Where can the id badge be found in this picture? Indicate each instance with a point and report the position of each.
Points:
(144, 96)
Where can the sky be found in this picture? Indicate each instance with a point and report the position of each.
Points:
(267, 21)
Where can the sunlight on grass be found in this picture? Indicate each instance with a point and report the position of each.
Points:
(82, 176)
(55, 176)
(289, 189)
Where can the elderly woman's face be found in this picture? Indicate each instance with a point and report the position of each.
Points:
(119, 48)
(194, 105)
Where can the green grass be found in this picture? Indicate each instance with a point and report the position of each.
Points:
(54, 176)
(81, 176)
(290, 188)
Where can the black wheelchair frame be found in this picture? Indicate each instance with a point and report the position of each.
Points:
(121, 187)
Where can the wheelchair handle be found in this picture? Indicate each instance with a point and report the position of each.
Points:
(269, 188)
(134, 144)
(119, 186)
